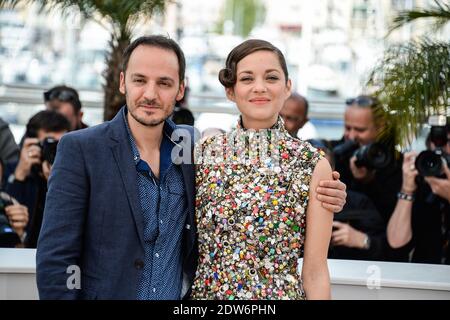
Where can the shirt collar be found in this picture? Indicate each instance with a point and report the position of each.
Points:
(168, 128)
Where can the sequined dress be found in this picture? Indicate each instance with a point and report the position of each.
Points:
(252, 192)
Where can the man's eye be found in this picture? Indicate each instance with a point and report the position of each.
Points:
(138, 80)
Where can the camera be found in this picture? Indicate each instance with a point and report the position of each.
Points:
(8, 237)
(372, 156)
(48, 147)
(430, 162)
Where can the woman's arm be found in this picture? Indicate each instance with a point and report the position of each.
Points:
(315, 276)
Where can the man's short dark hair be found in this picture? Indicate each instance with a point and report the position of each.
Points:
(47, 120)
(299, 98)
(158, 41)
(65, 94)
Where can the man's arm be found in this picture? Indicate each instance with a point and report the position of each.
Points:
(399, 229)
(332, 193)
(61, 237)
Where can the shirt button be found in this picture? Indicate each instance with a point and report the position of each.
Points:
(154, 290)
(157, 255)
(160, 221)
(139, 264)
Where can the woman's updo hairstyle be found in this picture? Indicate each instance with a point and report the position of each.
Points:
(227, 76)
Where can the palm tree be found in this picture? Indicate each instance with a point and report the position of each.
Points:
(412, 80)
(120, 16)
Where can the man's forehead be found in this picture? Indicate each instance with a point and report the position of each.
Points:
(151, 58)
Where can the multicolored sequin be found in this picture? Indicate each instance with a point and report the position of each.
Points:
(251, 214)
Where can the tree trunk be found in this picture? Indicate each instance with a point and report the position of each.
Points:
(114, 100)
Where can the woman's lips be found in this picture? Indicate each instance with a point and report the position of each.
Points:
(259, 101)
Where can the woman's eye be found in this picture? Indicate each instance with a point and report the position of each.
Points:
(246, 79)
(274, 78)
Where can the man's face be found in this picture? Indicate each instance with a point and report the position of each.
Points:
(151, 84)
(294, 115)
(67, 110)
(360, 125)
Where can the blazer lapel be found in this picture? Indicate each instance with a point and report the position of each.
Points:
(123, 156)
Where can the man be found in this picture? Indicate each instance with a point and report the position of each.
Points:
(358, 219)
(363, 127)
(28, 181)
(119, 207)
(421, 218)
(295, 116)
(66, 101)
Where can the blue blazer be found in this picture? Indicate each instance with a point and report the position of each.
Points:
(93, 219)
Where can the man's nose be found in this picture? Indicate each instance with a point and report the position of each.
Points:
(150, 91)
(351, 135)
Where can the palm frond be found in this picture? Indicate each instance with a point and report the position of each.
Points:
(121, 15)
(412, 81)
(440, 14)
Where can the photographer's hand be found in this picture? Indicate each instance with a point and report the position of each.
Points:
(346, 236)
(440, 187)
(410, 173)
(29, 155)
(18, 217)
(361, 173)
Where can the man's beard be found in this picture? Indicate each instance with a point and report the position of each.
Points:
(143, 121)
(148, 123)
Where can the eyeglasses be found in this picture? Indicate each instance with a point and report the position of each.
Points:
(360, 101)
(62, 95)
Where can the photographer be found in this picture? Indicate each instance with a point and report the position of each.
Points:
(421, 217)
(359, 232)
(13, 219)
(28, 182)
(367, 166)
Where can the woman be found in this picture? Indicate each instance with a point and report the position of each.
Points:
(256, 204)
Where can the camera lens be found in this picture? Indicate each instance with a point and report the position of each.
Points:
(428, 163)
(373, 156)
(378, 156)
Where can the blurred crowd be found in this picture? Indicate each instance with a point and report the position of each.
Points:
(397, 205)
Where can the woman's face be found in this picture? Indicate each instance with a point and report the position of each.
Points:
(260, 90)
